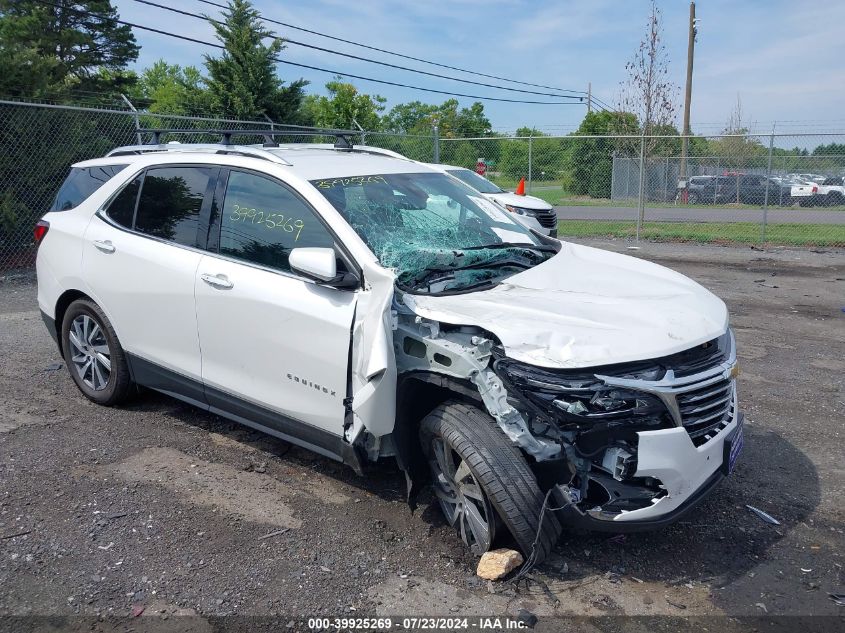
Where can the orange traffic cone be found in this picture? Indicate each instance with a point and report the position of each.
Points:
(520, 188)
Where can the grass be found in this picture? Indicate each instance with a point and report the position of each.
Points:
(742, 232)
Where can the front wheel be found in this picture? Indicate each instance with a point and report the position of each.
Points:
(483, 482)
(94, 356)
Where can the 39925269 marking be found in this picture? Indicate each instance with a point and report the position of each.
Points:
(350, 624)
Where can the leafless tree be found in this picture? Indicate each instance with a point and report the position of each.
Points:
(648, 92)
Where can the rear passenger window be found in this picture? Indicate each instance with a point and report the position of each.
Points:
(81, 183)
(263, 221)
(170, 203)
(122, 207)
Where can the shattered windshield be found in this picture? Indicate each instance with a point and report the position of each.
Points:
(479, 183)
(436, 233)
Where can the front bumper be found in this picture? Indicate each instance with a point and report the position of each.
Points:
(688, 473)
(547, 227)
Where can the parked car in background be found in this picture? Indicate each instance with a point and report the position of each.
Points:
(804, 192)
(535, 213)
(708, 190)
(752, 189)
(814, 178)
(831, 192)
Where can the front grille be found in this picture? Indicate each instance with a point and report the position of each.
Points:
(706, 410)
(697, 387)
(547, 219)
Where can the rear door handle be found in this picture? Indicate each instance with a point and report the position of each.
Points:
(217, 281)
(104, 245)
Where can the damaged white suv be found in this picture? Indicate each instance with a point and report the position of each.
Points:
(366, 307)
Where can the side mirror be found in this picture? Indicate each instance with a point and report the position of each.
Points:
(320, 264)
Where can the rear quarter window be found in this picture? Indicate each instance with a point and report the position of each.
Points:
(170, 202)
(81, 183)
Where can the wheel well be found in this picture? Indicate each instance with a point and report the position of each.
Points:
(417, 395)
(67, 297)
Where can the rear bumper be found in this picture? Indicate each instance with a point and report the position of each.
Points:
(50, 324)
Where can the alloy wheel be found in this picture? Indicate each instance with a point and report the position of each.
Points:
(90, 352)
(463, 501)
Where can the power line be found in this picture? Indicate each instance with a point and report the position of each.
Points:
(416, 59)
(309, 67)
(366, 59)
(606, 106)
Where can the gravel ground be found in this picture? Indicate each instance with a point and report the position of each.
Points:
(161, 508)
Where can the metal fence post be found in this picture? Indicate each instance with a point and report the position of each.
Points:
(766, 197)
(362, 130)
(530, 146)
(613, 175)
(641, 194)
(135, 116)
(436, 136)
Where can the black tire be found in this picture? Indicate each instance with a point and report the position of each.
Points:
(500, 468)
(835, 199)
(805, 203)
(119, 383)
(692, 198)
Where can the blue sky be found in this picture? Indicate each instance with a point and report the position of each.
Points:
(783, 59)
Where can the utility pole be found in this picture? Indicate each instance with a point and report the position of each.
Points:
(589, 97)
(693, 31)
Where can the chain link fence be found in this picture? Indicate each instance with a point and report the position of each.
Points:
(782, 189)
(775, 188)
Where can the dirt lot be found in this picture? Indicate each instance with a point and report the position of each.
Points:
(162, 508)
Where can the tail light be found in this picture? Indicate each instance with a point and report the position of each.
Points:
(815, 189)
(41, 228)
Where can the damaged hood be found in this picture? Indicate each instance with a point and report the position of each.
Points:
(586, 307)
(526, 202)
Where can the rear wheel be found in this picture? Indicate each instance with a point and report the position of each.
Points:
(483, 483)
(692, 198)
(93, 354)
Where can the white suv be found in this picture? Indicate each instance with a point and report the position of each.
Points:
(366, 306)
(533, 212)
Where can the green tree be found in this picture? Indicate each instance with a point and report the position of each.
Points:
(589, 160)
(453, 122)
(831, 149)
(734, 148)
(50, 51)
(173, 89)
(344, 107)
(243, 82)
(414, 117)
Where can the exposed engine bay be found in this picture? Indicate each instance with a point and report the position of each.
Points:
(618, 443)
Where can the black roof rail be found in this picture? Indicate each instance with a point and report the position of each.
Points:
(341, 136)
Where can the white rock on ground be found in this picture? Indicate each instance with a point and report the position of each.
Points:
(498, 563)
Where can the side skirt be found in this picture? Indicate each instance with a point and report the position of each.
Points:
(237, 409)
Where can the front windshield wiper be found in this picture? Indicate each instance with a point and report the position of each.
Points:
(532, 247)
(428, 276)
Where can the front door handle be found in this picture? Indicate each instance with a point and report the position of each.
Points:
(104, 245)
(217, 281)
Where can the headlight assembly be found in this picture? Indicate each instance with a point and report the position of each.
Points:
(580, 399)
